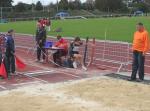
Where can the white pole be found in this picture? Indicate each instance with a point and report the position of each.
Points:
(105, 43)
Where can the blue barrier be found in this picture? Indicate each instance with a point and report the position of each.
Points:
(48, 44)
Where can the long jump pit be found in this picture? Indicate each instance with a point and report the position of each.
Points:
(43, 87)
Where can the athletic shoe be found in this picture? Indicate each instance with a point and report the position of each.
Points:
(37, 60)
(131, 79)
(43, 61)
(74, 65)
(84, 68)
(139, 80)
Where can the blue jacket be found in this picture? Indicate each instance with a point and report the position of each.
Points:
(10, 46)
(40, 34)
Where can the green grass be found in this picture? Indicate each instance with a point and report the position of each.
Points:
(120, 29)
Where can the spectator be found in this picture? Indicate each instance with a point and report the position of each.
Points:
(10, 51)
(140, 47)
(61, 43)
(40, 39)
(74, 53)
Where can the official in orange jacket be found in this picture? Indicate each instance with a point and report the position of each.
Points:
(140, 47)
(61, 43)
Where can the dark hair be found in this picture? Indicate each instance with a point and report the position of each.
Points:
(58, 37)
(10, 31)
(77, 39)
(140, 24)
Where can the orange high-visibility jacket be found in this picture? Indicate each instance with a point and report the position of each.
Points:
(141, 41)
(62, 43)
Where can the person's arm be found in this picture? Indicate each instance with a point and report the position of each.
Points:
(36, 36)
(147, 43)
(44, 35)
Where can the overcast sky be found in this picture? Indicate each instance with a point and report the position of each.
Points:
(45, 2)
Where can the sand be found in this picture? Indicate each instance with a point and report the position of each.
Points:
(95, 94)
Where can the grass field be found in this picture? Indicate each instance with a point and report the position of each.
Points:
(120, 29)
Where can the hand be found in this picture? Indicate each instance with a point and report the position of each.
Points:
(40, 41)
(12, 52)
(144, 53)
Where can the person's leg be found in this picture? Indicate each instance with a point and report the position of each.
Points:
(12, 62)
(43, 53)
(81, 61)
(43, 49)
(38, 53)
(61, 53)
(75, 59)
(141, 60)
(134, 65)
(7, 64)
(78, 58)
(0, 57)
(55, 56)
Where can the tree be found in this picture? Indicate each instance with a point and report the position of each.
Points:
(77, 4)
(71, 5)
(88, 5)
(63, 4)
(6, 3)
(109, 5)
(20, 7)
(38, 6)
(142, 6)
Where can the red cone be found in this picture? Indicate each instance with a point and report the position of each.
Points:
(3, 72)
(19, 63)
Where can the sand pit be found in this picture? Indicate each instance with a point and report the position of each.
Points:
(95, 94)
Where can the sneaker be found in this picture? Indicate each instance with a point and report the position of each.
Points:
(139, 80)
(42, 61)
(37, 60)
(131, 79)
(9, 77)
(14, 74)
(84, 68)
(74, 65)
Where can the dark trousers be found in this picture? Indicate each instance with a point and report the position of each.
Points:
(41, 51)
(10, 63)
(57, 56)
(138, 65)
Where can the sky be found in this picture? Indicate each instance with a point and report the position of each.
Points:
(45, 2)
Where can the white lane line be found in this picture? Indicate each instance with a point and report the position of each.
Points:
(3, 87)
(26, 83)
(36, 78)
(65, 73)
(39, 72)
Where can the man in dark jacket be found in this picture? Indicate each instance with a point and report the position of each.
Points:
(10, 50)
(40, 39)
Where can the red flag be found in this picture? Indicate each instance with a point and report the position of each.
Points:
(19, 63)
(3, 72)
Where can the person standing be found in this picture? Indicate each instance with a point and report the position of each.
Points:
(140, 48)
(10, 51)
(40, 40)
